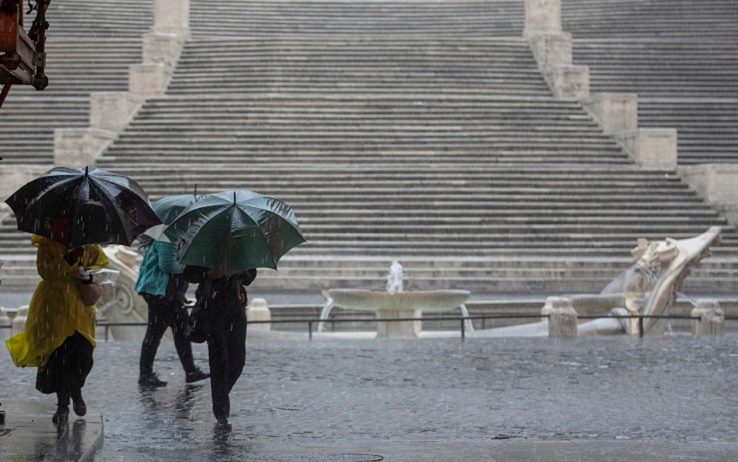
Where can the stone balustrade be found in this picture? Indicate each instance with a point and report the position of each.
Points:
(110, 112)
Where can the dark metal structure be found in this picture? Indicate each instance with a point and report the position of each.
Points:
(22, 55)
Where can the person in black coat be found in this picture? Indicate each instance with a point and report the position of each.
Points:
(224, 300)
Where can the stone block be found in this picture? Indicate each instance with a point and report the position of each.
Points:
(172, 17)
(113, 110)
(542, 16)
(652, 148)
(259, 311)
(711, 318)
(161, 48)
(551, 50)
(19, 321)
(78, 147)
(570, 82)
(12, 177)
(562, 318)
(716, 183)
(148, 80)
(616, 112)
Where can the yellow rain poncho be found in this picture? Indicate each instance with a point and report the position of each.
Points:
(56, 308)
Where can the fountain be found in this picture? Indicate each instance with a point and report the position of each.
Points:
(396, 304)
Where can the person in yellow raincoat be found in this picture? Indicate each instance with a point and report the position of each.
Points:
(59, 335)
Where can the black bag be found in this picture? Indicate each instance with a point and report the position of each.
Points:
(197, 331)
(199, 324)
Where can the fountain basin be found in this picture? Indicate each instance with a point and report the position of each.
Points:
(398, 305)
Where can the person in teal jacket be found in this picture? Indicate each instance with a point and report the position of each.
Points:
(162, 285)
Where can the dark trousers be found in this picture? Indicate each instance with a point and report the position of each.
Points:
(165, 313)
(66, 370)
(227, 355)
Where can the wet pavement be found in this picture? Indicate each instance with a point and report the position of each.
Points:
(28, 434)
(607, 398)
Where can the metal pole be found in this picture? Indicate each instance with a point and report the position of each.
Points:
(106, 332)
(640, 326)
(310, 330)
(463, 330)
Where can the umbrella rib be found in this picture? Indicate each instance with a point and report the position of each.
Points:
(111, 203)
(209, 221)
(243, 212)
(54, 187)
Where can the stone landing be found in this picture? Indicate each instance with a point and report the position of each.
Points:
(28, 433)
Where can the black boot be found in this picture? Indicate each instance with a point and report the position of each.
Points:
(196, 376)
(61, 416)
(223, 424)
(150, 380)
(78, 404)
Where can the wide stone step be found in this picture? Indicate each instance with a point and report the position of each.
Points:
(495, 18)
(112, 18)
(638, 19)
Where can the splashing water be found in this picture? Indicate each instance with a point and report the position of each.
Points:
(394, 280)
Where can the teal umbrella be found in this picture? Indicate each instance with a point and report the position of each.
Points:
(234, 231)
(167, 209)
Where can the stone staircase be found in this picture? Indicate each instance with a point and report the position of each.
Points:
(680, 57)
(420, 131)
(444, 150)
(90, 46)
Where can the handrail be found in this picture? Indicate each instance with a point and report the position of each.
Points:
(461, 319)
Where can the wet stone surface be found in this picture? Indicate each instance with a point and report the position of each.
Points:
(296, 393)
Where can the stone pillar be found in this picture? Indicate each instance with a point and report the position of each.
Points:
(15, 176)
(78, 147)
(562, 319)
(19, 321)
(616, 112)
(259, 311)
(547, 308)
(396, 329)
(653, 148)
(542, 16)
(5, 324)
(716, 183)
(712, 318)
(113, 110)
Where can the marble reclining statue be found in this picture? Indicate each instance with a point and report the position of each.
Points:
(648, 287)
(121, 303)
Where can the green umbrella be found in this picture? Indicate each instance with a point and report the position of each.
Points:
(235, 230)
(167, 208)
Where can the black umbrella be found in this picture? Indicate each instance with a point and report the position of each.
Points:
(78, 206)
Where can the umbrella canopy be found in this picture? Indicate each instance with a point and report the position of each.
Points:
(235, 230)
(78, 206)
(167, 209)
